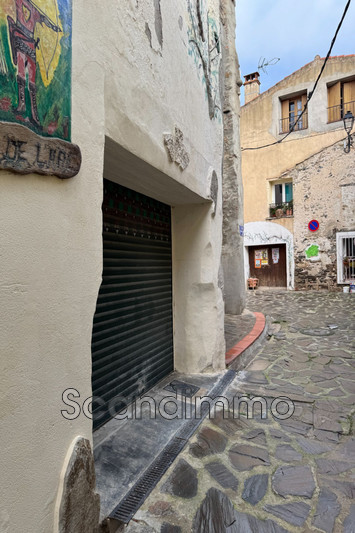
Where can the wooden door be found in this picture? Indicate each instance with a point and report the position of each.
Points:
(268, 264)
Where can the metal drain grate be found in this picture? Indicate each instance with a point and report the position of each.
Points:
(188, 429)
(222, 384)
(135, 498)
(185, 389)
(130, 504)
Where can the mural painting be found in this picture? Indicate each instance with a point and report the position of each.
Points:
(35, 87)
(205, 48)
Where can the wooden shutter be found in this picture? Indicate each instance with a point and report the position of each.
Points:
(349, 96)
(285, 116)
(334, 113)
(305, 115)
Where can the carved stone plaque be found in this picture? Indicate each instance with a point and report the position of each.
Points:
(23, 151)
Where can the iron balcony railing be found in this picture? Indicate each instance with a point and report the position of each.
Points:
(283, 209)
(286, 124)
(337, 112)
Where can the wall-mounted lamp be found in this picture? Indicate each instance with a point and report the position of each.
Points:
(348, 126)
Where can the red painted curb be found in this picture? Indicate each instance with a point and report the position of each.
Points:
(248, 340)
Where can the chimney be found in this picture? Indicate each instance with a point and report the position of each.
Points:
(251, 86)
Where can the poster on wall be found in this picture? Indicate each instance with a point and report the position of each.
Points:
(275, 255)
(263, 255)
(35, 87)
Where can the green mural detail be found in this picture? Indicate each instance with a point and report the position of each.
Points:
(312, 251)
(35, 65)
(204, 48)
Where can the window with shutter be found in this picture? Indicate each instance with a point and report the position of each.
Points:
(341, 98)
(291, 110)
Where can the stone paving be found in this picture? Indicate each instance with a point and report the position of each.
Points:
(272, 475)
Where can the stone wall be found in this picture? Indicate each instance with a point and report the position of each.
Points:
(233, 216)
(324, 189)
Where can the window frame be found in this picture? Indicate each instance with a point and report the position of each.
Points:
(336, 111)
(340, 237)
(283, 184)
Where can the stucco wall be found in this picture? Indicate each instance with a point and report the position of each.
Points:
(260, 121)
(160, 71)
(135, 77)
(324, 187)
(146, 87)
(50, 246)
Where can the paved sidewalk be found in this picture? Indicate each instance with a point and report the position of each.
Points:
(240, 475)
(237, 327)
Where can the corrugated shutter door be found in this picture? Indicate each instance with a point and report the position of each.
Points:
(132, 341)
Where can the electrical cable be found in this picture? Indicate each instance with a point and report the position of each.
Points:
(314, 87)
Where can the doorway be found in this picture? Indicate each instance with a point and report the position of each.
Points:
(268, 264)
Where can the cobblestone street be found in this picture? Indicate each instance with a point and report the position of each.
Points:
(274, 475)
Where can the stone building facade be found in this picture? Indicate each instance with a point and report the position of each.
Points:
(147, 111)
(324, 189)
(305, 177)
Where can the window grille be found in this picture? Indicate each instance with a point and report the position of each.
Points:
(346, 257)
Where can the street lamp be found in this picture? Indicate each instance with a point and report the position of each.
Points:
(348, 126)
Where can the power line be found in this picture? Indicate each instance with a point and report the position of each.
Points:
(310, 94)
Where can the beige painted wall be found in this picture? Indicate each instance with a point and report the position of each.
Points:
(132, 93)
(260, 125)
(50, 246)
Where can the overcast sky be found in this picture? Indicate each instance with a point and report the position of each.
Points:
(293, 31)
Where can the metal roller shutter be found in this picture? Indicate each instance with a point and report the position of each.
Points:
(132, 341)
